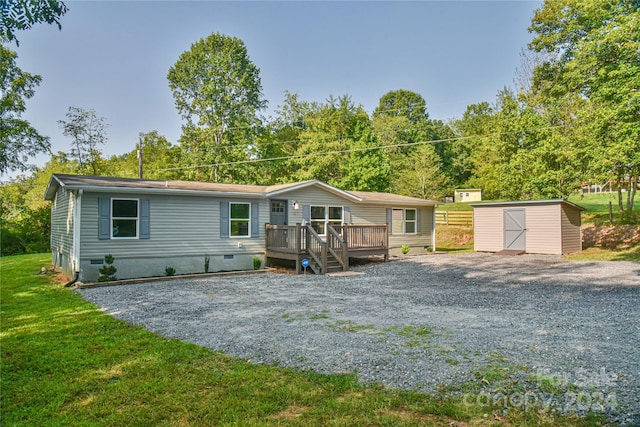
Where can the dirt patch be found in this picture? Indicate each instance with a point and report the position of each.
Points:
(617, 237)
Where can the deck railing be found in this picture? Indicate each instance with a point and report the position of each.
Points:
(364, 236)
(286, 238)
(302, 241)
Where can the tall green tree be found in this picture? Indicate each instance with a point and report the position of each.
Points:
(594, 49)
(88, 132)
(18, 139)
(159, 157)
(401, 119)
(338, 146)
(218, 92)
(23, 14)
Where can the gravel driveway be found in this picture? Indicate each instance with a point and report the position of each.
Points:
(567, 333)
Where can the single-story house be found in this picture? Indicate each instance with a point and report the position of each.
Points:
(534, 226)
(467, 195)
(148, 225)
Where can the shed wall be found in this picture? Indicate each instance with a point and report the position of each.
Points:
(544, 233)
(488, 232)
(571, 230)
(552, 228)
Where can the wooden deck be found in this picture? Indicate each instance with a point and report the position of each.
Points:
(326, 253)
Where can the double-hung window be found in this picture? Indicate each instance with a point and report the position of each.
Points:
(124, 218)
(323, 215)
(240, 219)
(404, 221)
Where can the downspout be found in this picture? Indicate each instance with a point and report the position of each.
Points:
(74, 280)
(76, 236)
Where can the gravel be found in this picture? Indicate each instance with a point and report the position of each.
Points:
(567, 334)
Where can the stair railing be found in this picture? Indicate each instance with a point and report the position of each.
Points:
(317, 249)
(337, 246)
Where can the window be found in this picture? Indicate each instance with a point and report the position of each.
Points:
(323, 215)
(410, 221)
(124, 218)
(239, 219)
(404, 221)
(318, 218)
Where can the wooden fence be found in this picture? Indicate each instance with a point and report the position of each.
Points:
(454, 218)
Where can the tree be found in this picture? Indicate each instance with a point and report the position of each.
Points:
(424, 177)
(158, 155)
(401, 119)
(217, 90)
(87, 132)
(18, 139)
(23, 14)
(594, 53)
(338, 146)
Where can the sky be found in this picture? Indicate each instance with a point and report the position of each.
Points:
(114, 56)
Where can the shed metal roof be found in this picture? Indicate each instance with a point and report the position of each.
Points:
(526, 202)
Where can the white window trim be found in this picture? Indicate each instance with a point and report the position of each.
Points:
(326, 216)
(137, 219)
(404, 221)
(248, 236)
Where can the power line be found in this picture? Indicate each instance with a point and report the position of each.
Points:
(354, 150)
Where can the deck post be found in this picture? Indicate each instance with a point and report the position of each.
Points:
(324, 257)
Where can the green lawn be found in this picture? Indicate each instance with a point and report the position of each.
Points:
(64, 362)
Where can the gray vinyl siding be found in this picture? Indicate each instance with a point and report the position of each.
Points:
(488, 233)
(571, 230)
(416, 242)
(362, 215)
(62, 223)
(311, 196)
(182, 229)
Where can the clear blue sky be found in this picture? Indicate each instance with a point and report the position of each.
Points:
(114, 56)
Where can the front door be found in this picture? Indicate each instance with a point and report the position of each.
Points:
(515, 236)
(278, 214)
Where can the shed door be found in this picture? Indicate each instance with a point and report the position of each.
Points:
(278, 214)
(515, 229)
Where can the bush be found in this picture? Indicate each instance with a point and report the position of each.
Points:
(257, 263)
(405, 249)
(169, 271)
(108, 270)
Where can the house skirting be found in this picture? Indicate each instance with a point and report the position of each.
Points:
(135, 267)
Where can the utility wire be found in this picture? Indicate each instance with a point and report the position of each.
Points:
(354, 150)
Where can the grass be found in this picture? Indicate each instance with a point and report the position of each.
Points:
(454, 238)
(599, 254)
(597, 209)
(457, 207)
(65, 362)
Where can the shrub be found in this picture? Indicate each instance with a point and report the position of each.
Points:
(257, 263)
(108, 270)
(169, 271)
(405, 249)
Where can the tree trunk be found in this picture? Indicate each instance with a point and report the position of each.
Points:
(620, 205)
(633, 181)
(629, 181)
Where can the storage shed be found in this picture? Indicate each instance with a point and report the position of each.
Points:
(534, 226)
